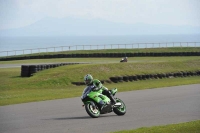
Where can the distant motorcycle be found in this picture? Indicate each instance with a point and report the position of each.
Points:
(124, 59)
(91, 99)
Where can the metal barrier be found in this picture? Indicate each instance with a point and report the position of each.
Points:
(100, 47)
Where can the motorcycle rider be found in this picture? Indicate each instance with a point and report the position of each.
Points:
(89, 81)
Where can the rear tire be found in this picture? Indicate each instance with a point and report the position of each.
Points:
(120, 110)
(91, 110)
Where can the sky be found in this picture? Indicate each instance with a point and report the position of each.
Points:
(20, 13)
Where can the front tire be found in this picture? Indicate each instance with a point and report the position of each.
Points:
(92, 110)
(120, 110)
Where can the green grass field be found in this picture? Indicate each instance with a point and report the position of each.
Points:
(55, 83)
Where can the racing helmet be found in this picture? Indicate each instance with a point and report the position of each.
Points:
(97, 83)
(88, 79)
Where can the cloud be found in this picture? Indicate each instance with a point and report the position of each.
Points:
(178, 12)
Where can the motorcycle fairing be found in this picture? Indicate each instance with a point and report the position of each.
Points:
(97, 96)
(113, 91)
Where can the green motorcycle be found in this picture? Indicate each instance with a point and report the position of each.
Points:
(91, 100)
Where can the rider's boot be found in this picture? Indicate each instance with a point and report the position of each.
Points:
(114, 101)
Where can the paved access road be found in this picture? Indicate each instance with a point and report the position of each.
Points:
(144, 108)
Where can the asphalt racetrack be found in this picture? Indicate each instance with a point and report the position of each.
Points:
(145, 108)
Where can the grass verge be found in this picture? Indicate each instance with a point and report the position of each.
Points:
(188, 127)
(39, 92)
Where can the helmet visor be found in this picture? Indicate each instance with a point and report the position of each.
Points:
(87, 81)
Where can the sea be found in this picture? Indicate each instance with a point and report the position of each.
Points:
(37, 44)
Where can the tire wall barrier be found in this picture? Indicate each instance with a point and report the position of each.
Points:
(131, 78)
(148, 54)
(29, 70)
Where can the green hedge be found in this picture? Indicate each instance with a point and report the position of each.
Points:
(103, 55)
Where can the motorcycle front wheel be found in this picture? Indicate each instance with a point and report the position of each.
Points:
(92, 109)
(121, 110)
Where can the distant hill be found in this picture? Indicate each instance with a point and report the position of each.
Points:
(77, 26)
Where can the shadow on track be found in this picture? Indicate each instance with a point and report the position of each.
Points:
(78, 117)
(71, 118)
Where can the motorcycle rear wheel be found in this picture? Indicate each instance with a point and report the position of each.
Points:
(92, 110)
(120, 110)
